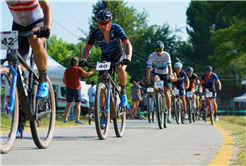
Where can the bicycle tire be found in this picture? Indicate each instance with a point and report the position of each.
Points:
(10, 137)
(165, 118)
(160, 110)
(181, 109)
(189, 110)
(176, 111)
(42, 132)
(205, 115)
(153, 116)
(150, 114)
(120, 122)
(211, 113)
(101, 133)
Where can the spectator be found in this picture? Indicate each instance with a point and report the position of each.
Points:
(71, 79)
(136, 97)
(91, 94)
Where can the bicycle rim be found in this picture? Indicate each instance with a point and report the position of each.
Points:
(120, 122)
(160, 113)
(9, 120)
(100, 112)
(150, 117)
(189, 109)
(175, 107)
(42, 129)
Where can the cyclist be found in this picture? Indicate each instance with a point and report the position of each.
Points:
(33, 15)
(208, 82)
(110, 38)
(178, 83)
(193, 80)
(163, 68)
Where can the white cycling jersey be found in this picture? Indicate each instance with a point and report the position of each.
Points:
(25, 12)
(160, 62)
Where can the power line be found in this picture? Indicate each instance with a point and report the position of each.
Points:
(80, 9)
(65, 29)
(69, 13)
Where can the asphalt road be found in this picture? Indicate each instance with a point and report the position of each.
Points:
(142, 144)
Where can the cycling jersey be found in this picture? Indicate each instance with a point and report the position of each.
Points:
(180, 80)
(114, 50)
(160, 62)
(25, 12)
(209, 82)
(192, 79)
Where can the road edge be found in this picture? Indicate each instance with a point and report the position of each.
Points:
(225, 153)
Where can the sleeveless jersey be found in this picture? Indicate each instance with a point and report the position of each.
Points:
(25, 12)
(160, 62)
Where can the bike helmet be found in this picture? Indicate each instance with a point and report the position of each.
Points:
(208, 68)
(104, 15)
(159, 45)
(178, 64)
(189, 69)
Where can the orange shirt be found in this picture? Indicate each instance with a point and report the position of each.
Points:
(73, 75)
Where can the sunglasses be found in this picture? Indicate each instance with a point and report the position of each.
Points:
(102, 23)
(158, 50)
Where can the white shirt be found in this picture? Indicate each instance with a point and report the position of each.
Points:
(91, 91)
(25, 12)
(160, 62)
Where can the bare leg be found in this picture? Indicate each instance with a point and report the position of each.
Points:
(67, 109)
(77, 110)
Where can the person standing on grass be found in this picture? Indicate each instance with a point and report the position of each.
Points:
(91, 94)
(71, 79)
(136, 97)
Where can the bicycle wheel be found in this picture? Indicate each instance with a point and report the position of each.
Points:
(150, 113)
(9, 120)
(181, 109)
(165, 116)
(193, 114)
(211, 113)
(160, 110)
(189, 110)
(100, 112)
(43, 127)
(205, 114)
(120, 122)
(176, 111)
(153, 116)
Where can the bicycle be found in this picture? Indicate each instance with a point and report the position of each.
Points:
(161, 104)
(150, 104)
(177, 106)
(39, 112)
(210, 106)
(107, 102)
(190, 107)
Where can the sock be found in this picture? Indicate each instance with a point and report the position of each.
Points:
(42, 76)
(123, 90)
(169, 112)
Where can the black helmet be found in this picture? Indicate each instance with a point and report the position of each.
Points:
(189, 69)
(159, 45)
(208, 68)
(104, 15)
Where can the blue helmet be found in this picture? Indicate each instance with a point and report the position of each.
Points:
(208, 68)
(104, 15)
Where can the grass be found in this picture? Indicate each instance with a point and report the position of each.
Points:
(237, 127)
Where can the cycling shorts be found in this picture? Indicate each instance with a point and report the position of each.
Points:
(211, 90)
(23, 42)
(181, 90)
(165, 78)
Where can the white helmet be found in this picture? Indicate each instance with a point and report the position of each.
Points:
(178, 64)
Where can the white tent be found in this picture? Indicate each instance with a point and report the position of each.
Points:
(55, 71)
(240, 98)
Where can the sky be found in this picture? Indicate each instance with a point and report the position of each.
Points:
(68, 16)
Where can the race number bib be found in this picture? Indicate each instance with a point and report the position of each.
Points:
(175, 92)
(7, 39)
(203, 97)
(150, 90)
(159, 84)
(209, 94)
(102, 66)
(189, 94)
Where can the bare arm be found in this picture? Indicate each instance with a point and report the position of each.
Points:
(187, 83)
(64, 80)
(148, 73)
(170, 72)
(48, 14)
(85, 53)
(219, 84)
(130, 95)
(88, 74)
(128, 48)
